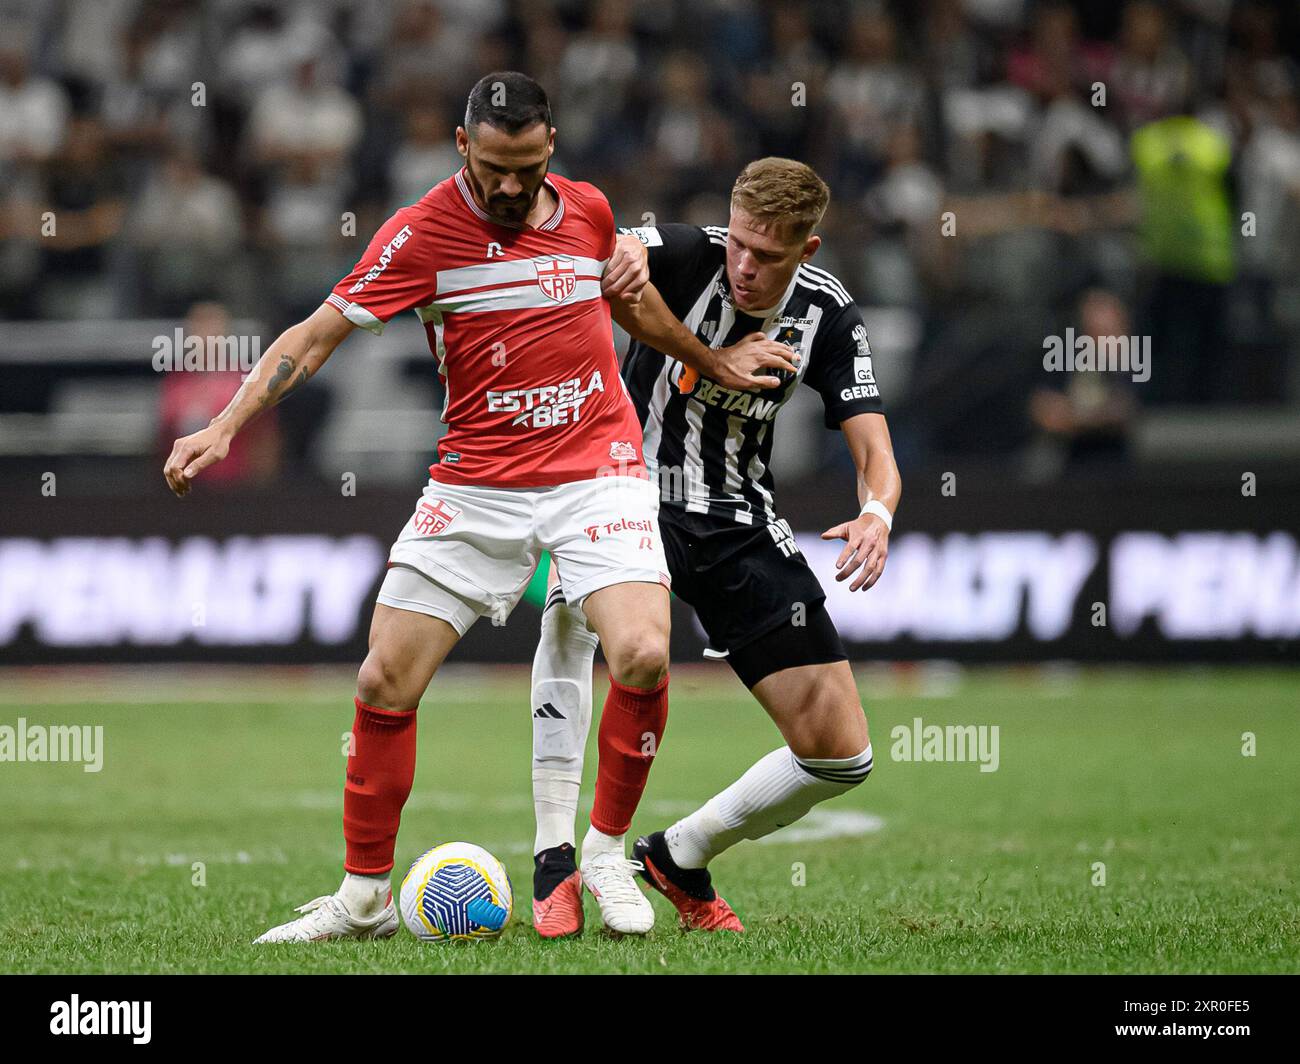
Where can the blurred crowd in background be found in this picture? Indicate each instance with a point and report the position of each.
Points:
(1000, 169)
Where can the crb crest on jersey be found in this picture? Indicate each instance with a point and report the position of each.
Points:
(556, 277)
(862, 372)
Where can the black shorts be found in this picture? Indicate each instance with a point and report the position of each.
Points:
(756, 597)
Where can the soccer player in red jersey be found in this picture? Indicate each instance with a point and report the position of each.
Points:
(503, 263)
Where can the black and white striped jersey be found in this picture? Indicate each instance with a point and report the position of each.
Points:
(711, 448)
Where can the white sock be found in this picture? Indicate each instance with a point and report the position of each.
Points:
(364, 896)
(595, 842)
(775, 792)
(561, 708)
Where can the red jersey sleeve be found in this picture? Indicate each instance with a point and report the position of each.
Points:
(596, 215)
(605, 221)
(396, 273)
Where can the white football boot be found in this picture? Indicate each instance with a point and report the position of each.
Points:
(327, 917)
(611, 878)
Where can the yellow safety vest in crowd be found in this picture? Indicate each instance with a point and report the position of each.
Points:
(1187, 224)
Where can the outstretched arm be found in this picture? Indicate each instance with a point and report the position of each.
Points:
(879, 487)
(296, 354)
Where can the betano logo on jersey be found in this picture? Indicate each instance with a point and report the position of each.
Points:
(385, 257)
(547, 405)
(746, 404)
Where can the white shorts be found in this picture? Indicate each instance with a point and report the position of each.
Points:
(470, 550)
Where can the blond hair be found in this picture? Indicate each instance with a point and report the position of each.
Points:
(782, 193)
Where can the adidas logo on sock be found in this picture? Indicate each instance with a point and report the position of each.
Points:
(547, 710)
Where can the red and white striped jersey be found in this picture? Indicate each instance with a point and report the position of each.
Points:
(521, 333)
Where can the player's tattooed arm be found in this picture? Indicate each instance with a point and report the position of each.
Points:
(867, 536)
(652, 322)
(297, 353)
(286, 365)
(283, 384)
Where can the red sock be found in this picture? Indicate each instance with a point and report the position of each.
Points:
(630, 718)
(380, 772)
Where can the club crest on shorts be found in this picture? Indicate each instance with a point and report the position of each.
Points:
(434, 517)
(622, 451)
(556, 277)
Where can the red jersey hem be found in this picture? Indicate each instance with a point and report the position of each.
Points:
(445, 473)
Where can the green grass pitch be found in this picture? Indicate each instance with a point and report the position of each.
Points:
(928, 867)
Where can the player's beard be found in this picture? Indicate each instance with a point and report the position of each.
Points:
(511, 210)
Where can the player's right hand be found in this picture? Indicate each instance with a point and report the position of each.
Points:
(627, 272)
(192, 454)
(737, 367)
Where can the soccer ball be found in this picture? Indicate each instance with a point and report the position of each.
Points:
(456, 891)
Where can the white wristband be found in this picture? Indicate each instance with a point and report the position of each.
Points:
(875, 506)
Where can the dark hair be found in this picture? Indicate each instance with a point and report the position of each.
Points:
(506, 100)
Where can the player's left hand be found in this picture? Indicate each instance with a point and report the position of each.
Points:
(865, 552)
(627, 272)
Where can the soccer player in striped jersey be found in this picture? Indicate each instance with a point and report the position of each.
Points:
(731, 557)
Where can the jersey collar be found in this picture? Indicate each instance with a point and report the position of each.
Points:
(551, 223)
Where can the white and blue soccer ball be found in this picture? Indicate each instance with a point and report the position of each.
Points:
(456, 891)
